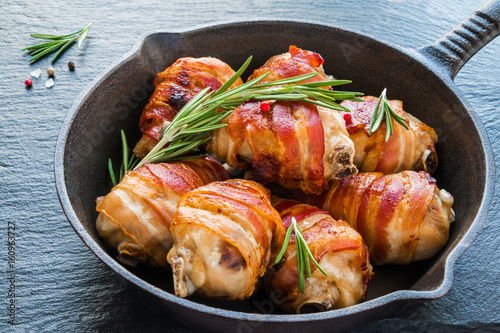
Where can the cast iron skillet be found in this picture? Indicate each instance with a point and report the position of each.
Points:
(90, 134)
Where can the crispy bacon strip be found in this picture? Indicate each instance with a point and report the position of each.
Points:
(294, 63)
(225, 236)
(175, 86)
(339, 250)
(406, 149)
(295, 144)
(402, 217)
(135, 216)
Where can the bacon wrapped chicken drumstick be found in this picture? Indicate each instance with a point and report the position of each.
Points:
(402, 217)
(293, 143)
(134, 218)
(411, 149)
(175, 86)
(225, 236)
(339, 250)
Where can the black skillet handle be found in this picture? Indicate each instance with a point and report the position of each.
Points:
(455, 48)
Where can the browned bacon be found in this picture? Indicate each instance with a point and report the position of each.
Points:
(175, 86)
(339, 250)
(402, 217)
(134, 218)
(411, 149)
(225, 236)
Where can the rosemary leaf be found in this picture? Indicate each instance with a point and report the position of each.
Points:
(289, 80)
(42, 52)
(282, 97)
(41, 45)
(111, 172)
(377, 117)
(403, 123)
(124, 151)
(132, 162)
(205, 129)
(233, 78)
(170, 149)
(346, 95)
(303, 253)
(388, 123)
(320, 96)
(54, 37)
(203, 125)
(221, 117)
(183, 158)
(201, 115)
(300, 259)
(177, 152)
(122, 171)
(239, 89)
(398, 118)
(384, 109)
(333, 106)
(326, 83)
(285, 245)
(311, 255)
(127, 163)
(84, 33)
(62, 49)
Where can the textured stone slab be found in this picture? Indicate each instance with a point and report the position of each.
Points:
(60, 285)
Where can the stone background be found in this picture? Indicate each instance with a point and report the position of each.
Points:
(60, 285)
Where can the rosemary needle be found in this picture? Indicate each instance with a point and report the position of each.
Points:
(127, 163)
(383, 108)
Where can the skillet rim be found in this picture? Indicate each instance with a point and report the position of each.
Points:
(385, 300)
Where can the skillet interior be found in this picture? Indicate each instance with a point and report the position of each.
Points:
(117, 99)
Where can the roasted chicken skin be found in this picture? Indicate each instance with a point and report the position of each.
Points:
(225, 234)
(295, 144)
(402, 217)
(134, 218)
(411, 149)
(339, 250)
(175, 86)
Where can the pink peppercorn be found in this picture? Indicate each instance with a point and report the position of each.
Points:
(265, 106)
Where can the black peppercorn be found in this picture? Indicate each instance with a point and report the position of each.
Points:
(71, 66)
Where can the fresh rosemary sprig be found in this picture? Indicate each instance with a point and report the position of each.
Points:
(303, 254)
(388, 112)
(204, 112)
(55, 42)
(127, 163)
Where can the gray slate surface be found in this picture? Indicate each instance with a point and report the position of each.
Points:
(60, 285)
